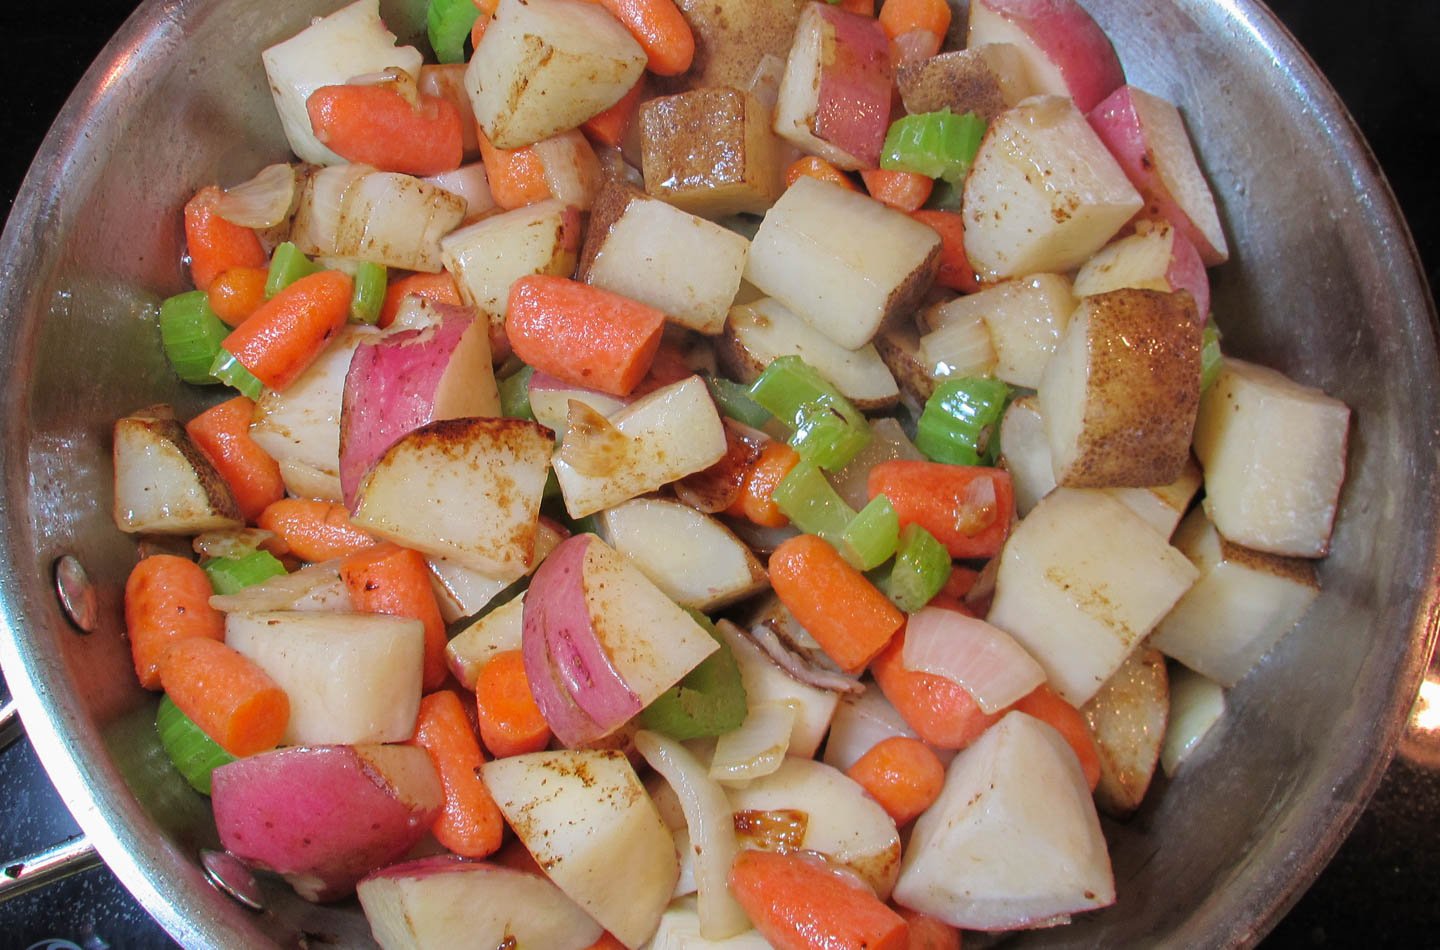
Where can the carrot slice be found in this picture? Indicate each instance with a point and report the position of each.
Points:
(389, 579)
(607, 941)
(213, 244)
(660, 29)
(904, 191)
(610, 126)
(940, 711)
(377, 126)
(285, 335)
(811, 166)
(955, 270)
(167, 599)
(237, 293)
(845, 613)
(1049, 707)
(436, 288)
(314, 530)
(516, 175)
(756, 502)
(898, 17)
(902, 774)
(510, 721)
(222, 434)
(968, 508)
(470, 823)
(797, 904)
(929, 933)
(228, 696)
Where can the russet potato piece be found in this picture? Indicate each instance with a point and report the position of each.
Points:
(163, 485)
(1127, 721)
(899, 347)
(1119, 396)
(711, 152)
(985, 80)
(732, 37)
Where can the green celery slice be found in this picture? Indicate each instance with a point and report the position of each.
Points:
(194, 754)
(229, 370)
(1210, 355)
(371, 280)
(871, 536)
(287, 265)
(921, 568)
(807, 498)
(231, 574)
(448, 23)
(936, 144)
(709, 701)
(961, 419)
(828, 429)
(733, 399)
(191, 335)
(515, 394)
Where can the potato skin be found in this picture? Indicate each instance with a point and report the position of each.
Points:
(960, 80)
(732, 37)
(710, 152)
(610, 203)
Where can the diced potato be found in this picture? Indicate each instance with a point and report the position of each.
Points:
(550, 402)
(733, 37)
(463, 592)
(1155, 257)
(765, 682)
(1025, 452)
(843, 261)
(163, 485)
(1025, 317)
(1196, 705)
(1243, 603)
(899, 347)
(985, 79)
(1162, 506)
(711, 152)
(1273, 453)
(488, 256)
(396, 220)
(1127, 721)
(496, 632)
(693, 558)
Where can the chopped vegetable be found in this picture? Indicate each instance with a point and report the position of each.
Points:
(661, 31)
(389, 579)
(1049, 707)
(797, 902)
(213, 244)
(369, 296)
(376, 125)
(902, 774)
(236, 294)
(810, 503)
(470, 824)
(934, 144)
(510, 721)
(167, 599)
(290, 330)
(921, 566)
(763, 479)
(968, 509)
(872, 535)
(828, 429)
(191, 334)
(733, 399)
(287, 265)
(314, 530)
(709, 701)
(448, 24)
(1211, 360)
(230, 574)
(222, 434)
(940, 711)
(194, 754)
(233, 700)
(901, 190)
(960, 423)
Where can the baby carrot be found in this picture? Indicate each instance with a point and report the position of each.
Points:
(436, 288)
(389, 579)
(1047, 705)
(582, 334)
(470, 824)
(237, 293)
(661, 31)
(929, 933)
(167, 599)
(285, 335)
(222, 433)
(898, 17)
(756, 502)
(516, 175)
(607, 941)
(811, 166)
(845, 613)
(955, 270)
(232, 700)
(487, 12)
(510, 721)
(940, 711)
(902, 774)
(966, 507)
(376, 125)
(904, 191)
(314, 530)
(610, 126)
(797, 903)
(213, 244)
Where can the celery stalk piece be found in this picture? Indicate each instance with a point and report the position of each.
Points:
(733, 400)
(709, 701)
(371, 280)
(194, 754)
(936, 144)
(230, 574)
(448, 23)
(191, 335)
(922, 565)
(515, 394)
(1209, 355)
(961, 419)
(807, 498)
(230, 371)
(828, 430)
(871, 536)
(287, 265)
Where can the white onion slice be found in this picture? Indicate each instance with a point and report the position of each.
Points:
(572, 172)
(984, 659)
(318, 216)
(708, 817)
(394, 78)
(396, 220)
(235, 542)
(262, 202)
(471, 183)
(317, 587)
(861, 722)
(764, 83)
(1196, 704)
(758, 747)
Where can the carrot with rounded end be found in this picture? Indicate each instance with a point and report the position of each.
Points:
(510, 721)
(375, 125)
(756, 502)
(902, 774)
(213, 244)
(898, 17)
(167, 599)
(797, 903)
(811, 166)
(1050, 708)
(609, 127)
(660, 29)
(607, 941)
(228, 696)
(940, 711)
(314, 530)
(516, 175)
(955, 271)
(237, 293)
(389, 579)
(436, 288)
(903, 191)
(222, 434)
(845, 613)
(470, 823)
(287, 333)
(582, 334)
(968, 508)
(929, 933)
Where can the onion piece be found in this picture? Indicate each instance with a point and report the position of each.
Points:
(888, 441)
(593, 445)
(758, 747)
(317, 587)
(233, 543)
(708, 817)
(395, 79)
(572, 172)
(396, 220)
(714, 489)
(809, 668)
(318, 216)
(471, 183)
(862, 722)
(764, 83)
(1196, 704)
(982, 658)
(262, 202)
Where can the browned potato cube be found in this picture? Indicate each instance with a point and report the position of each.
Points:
(711, 152)
(1127, 721)
(732, 37)
(986, 80)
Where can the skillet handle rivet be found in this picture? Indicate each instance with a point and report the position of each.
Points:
(76, 593)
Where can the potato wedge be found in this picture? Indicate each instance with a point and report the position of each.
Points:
(163, 485)
(1127, 721)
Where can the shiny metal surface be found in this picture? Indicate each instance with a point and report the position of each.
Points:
(21, 874)
(1324, 285)
(76, 593)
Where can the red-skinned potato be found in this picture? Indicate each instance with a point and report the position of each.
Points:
(325, 816)
(1065, 51)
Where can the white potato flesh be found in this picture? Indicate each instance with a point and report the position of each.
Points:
(668, 434)
(396, 220)
(1273, 453)
(1044, 193)
(841, 260)
(1241, 606)
(1025, 452)
(464, 489)
(958, 343)
(350, 677)
(550, 402)
(766, 682)
(693, 558)
(1127, 721)
(888, 441)
(1137, 260)
(1196, 705)
(680, 930)
(841, 820)
(1013, 841)
(682, 265)
(163, 485)
(472, 184)
(758, 333)
(317, 216)
(443, 903)
(1026, 318)
(1082, 581)
(1063, 49)
(545, 66)
(463, 592)
(477, 644)
(351, 42)
(585, 816)
(1162, 506)
(488, 256)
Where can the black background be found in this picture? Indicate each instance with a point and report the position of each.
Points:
(1383, 889)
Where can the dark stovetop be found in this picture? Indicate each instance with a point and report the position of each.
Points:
(1379, 891)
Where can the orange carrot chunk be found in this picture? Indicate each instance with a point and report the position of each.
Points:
(213, 244)
(610, 126)
(1047, 705)
(375, 125)
(516, 175)
(940, 711)
(967, 508)
(898, 17)
(955, 270)
(314, 530)
(167, 599)
(510, 721)
(797, 903)
(811, 166)
(845, 613)
(756, 502)
(222, 434)
(237, 293)
(929, 933)
(436, 288)
(660, 29)
(904, 191)
(582, 334)
(389, 579)
(470, 824)
(902, 774)
(607, 941)
(285, 335)
(228, 696)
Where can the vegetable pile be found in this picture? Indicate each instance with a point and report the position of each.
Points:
(773, 497)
